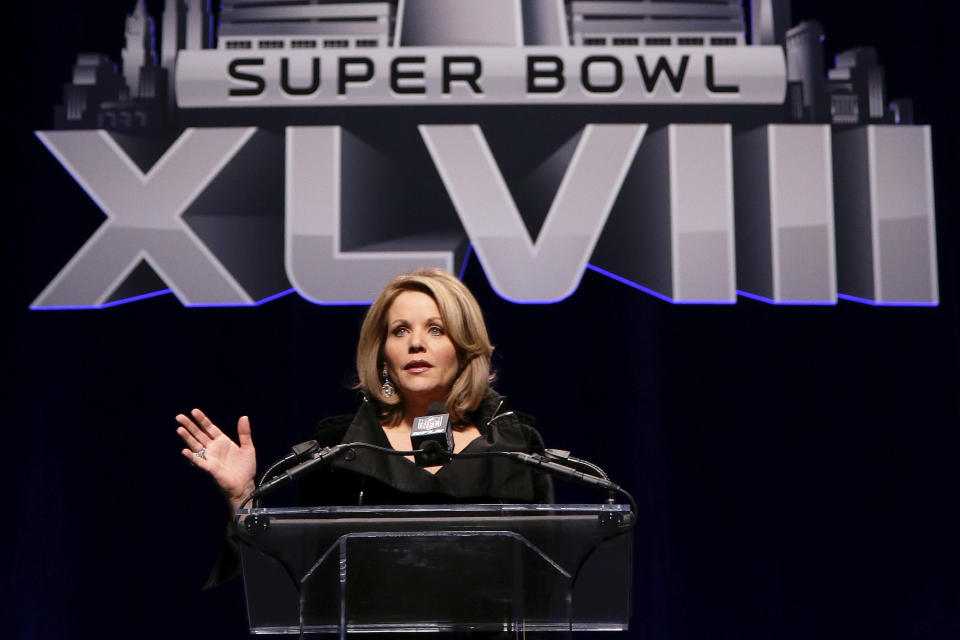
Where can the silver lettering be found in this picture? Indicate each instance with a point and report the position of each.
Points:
(518, 268)
(144, 218)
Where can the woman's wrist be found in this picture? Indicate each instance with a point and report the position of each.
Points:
(236, 500)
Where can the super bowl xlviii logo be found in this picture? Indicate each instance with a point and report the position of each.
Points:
(696, 151)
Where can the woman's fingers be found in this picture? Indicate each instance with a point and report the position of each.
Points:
(195, 431)
(196, 460)
(206, 424)
(188, 439)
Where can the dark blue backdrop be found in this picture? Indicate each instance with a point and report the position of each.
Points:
(796, 468)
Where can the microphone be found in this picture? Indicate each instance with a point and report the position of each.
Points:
(545, 464)
(431, 436)
(298, 453)
(326, 455)
(563, 471)
(320, 457)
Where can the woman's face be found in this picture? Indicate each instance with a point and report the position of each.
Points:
(421, 359)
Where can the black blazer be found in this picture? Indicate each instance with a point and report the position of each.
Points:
(372, 477)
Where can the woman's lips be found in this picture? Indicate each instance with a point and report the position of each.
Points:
(417, 366)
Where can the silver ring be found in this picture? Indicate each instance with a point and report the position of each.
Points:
(201, 453)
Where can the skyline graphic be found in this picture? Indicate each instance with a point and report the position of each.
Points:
(751, 170)
(139, 93)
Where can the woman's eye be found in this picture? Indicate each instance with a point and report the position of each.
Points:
(400, 332)
(436, 331)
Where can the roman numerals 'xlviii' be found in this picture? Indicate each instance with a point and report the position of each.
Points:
(144, 218)
(518, 268)
(783, 213)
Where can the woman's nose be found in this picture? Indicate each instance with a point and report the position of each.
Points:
(416, 343)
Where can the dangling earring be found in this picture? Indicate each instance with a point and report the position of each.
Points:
(387, 387)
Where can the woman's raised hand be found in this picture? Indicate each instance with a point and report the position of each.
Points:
(232, 466)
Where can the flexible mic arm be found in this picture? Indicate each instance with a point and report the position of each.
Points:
(560, 470)
(541, 462)
(317, 460)
(328, 454)
(297, 454)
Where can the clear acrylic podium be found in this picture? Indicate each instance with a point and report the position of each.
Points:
(437, 568)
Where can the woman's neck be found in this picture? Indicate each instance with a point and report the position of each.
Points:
(416, 407)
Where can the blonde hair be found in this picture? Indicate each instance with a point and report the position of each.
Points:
(462, 322)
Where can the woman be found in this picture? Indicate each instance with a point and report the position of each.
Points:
(423, 340)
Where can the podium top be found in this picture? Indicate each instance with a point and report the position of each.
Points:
(433, 510)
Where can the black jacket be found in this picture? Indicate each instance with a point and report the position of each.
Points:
(374, 478)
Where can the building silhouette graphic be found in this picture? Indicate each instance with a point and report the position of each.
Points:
(140, 94)
(139, 50)
(805, 72)
(769, 20)
(857, 88)
(305, 25)
(133, 98)
(662, 23)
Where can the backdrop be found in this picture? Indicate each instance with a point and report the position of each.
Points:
(796, 467)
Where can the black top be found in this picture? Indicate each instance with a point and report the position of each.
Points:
(372, 477)
(375, 478)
